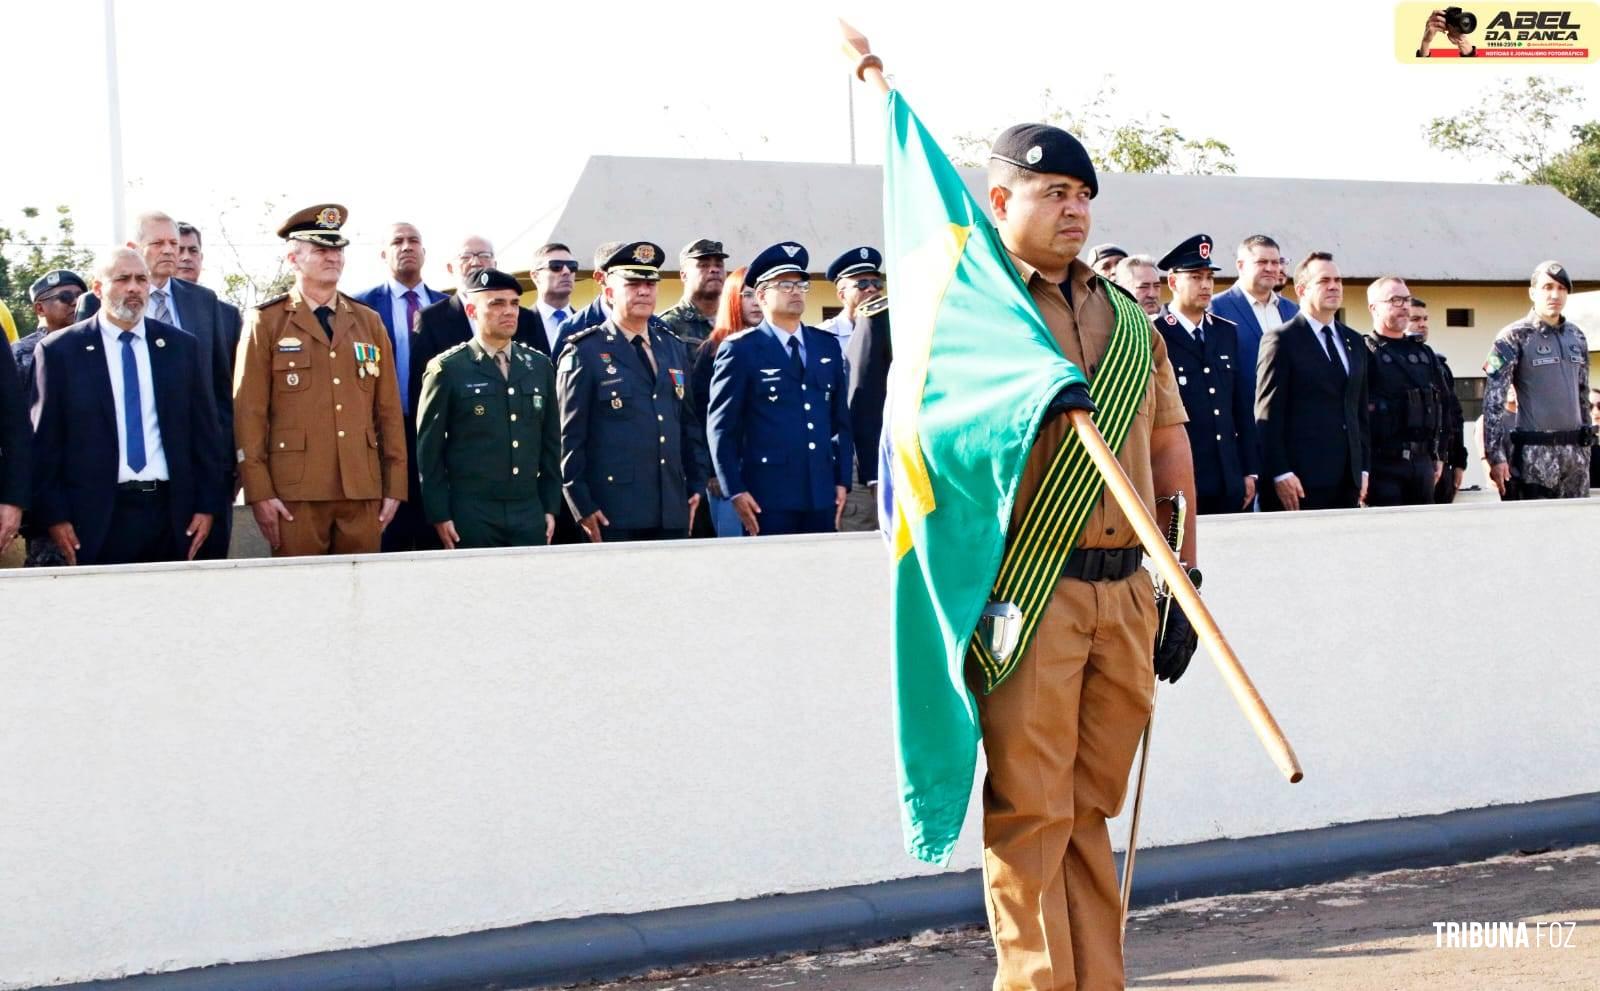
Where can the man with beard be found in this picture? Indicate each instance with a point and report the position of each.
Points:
(144, 483)
(1404, 404)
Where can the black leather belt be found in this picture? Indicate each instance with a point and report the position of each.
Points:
(155, 486)
(1103, 564)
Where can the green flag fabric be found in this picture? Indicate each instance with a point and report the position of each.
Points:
(975, 366)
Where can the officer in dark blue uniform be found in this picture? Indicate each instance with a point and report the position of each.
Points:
(1205, 351)
(632, 461)
(857, 276)
(779, 420)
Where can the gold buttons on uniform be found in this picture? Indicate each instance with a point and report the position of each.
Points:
(810, 427)
(663, 438)
(516, 443)
(511, 392)
(291, 364)
(808, 405)
(513, 418)
(338, 407)
(335, 381)
(280, 443)
(341, 433)
(516, 471)
(610, 479)
(812, 445)
(333, 354)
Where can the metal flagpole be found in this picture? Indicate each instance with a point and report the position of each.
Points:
(114, 115)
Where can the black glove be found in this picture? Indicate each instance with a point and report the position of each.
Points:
(1176, 641)
(1176, 645)
(1070, 398)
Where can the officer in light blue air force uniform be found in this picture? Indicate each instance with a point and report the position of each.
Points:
(779, 423)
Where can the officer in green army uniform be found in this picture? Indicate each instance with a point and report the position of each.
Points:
(488, 433)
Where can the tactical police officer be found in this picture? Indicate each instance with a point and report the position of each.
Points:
(632, 461)
(1204, 350)
(488, 437)
(1454, 439)
(779, 419)
(1405, 403)
(317, 417)
(1545, 357)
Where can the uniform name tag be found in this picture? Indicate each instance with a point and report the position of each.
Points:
(290, 344)
(1544, 361)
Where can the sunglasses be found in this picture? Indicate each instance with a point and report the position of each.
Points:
(869, 283)
(68, 298)
(561, 266)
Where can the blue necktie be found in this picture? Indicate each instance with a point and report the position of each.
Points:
(795, 364)
(132, 404)
(556, 316)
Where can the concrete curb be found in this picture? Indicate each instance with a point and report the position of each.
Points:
(605, 946)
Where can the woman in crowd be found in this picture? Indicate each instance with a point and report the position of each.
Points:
(736, 311)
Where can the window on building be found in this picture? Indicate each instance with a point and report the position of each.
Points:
(1458, 317)
(1470, 392)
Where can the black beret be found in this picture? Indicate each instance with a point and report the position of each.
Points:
(1044, 148)
(50, 280)
(493, 278)
(1556, 271)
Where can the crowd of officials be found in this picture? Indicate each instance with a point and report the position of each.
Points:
(403, 418)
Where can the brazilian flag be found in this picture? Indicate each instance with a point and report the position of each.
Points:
(974, 368)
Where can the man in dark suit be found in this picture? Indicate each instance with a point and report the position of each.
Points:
(191, 259)
(399, 301)
(778, 422)
(16, 448)
(444, 324)
(1204, 349)
(127, 444)
(1311, 400)
(195, 310)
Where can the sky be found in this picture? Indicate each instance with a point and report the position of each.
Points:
(477, 117)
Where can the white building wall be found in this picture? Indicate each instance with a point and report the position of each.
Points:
(244, 760)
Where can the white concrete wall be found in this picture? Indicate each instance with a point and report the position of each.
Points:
(243, 760)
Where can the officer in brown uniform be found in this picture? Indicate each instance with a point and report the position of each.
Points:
(317, 417)
(1060, 733)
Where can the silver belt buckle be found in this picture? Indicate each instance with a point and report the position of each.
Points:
(1000, 625)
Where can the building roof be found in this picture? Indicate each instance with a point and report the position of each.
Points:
(1425, 232)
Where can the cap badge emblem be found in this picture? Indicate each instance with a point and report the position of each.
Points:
(791, 250)
(1205, 250)
(644, 254)
(329, 218)
(1034, 154)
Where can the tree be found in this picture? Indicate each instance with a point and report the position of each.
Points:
(1516, 127)
(1117, 142)
(25, 257)
(243, 285)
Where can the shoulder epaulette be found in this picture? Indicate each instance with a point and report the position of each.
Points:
(1219, 318)
(272, 302)
(452, 349)
(585, 332)
(740, 333)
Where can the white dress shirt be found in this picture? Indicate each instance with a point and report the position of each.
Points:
(547, 315)
(1183, 322)
(1338, 340)
(172, 305)
(1266, 313)
(155, 456)
(783, 337)
(840, 326)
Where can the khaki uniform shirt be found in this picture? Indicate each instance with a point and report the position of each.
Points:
(311, 423)
(1083, 331)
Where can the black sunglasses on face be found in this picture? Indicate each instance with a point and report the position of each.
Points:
(561, 266)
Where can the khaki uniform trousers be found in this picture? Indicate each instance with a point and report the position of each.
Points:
(330, 526)
(1060, 735)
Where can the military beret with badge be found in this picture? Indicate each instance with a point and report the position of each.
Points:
(1554, 270)
(1046, 149)
(492, 278)
(53, 280)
